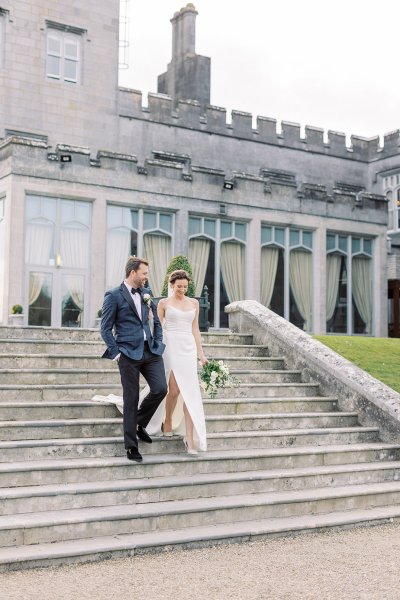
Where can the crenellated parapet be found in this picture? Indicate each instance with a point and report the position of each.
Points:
(213, 120)
(173, 173)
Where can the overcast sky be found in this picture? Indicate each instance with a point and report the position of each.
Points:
(331, 64)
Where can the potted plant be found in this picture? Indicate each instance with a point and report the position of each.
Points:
(17, 317)
(181, 262)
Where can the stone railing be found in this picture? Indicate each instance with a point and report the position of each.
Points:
(376, 403)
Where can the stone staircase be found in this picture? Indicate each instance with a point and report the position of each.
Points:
(282, 459)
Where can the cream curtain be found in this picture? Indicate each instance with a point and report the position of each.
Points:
(232, 270)
(362, 288)
(75, 247)
(75, 286)
(38, 243)
(333, 264)
(118, 252)
(300, 275)
(199, 251)
(35, 286)
(269, 265)
(157, 250)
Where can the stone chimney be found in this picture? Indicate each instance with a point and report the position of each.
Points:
(188, 75)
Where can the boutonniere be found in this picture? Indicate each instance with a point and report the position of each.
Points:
(147, 300)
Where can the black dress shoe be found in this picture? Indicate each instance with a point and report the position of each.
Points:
(143, 435)
(134, 454)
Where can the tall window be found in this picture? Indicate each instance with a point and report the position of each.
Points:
(391, 187)
(217, 250)
(57, 236)
(348, 284)
(63, 55)
(287, 273)
(2, 202)
(138, 232)
(2, 36)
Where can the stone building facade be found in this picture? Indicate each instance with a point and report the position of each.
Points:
(89, 174)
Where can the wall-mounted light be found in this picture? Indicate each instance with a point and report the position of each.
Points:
(228, 184)
(65, 158)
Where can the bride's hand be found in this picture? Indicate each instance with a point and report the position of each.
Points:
(203, 360)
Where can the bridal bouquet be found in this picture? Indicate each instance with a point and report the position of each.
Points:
(214, 375)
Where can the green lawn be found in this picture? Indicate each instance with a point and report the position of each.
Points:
(380, 357)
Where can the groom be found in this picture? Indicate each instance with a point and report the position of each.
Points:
(136, 349)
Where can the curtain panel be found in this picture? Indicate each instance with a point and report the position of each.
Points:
(269, 265)
(199, 252)
(362, 289)
(300, 276)
(118, 252)
(232, 270)
(333, 265)
(157, 250)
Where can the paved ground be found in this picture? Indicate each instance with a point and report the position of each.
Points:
(361, 564)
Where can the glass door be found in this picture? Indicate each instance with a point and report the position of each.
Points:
(57, 261)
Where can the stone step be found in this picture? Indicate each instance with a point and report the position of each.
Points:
(82, 391)
(22, 450)
(267, 390)
(93, 361)
(72, 347)
(228, 406)
(20, 411)
(74, 470)
(110, 427)
(53, 392)
(49, 333)
(262, 422)
(93, 334)
(40, 498)
(97, 548)
(106, 375)
(83, 523)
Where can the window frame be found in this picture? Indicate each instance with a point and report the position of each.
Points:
(348, 256)
(63, 37)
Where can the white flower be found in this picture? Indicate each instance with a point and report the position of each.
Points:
(147, 299)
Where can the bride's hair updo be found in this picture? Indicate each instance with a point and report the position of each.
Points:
(180, 274)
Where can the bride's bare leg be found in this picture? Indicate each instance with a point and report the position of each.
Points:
(170, 402)
(189, 428)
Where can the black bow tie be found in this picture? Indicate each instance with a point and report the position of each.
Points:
(135, 291)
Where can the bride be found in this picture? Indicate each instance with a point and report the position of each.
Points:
(181, 412)
(179, 316)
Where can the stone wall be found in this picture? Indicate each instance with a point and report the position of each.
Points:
(83, 113)
(170, 182)
(377, 404)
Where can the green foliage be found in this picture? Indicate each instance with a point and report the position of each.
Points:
(380, 357)
(214, 375)
(16, 309)
(100, 313)
(179, 262)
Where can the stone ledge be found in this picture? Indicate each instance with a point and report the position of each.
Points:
(376, 403)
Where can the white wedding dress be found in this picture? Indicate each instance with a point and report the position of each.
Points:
(180, 357)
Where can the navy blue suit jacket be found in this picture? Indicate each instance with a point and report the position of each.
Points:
(120, 314)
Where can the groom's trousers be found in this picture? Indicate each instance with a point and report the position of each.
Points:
(151, 366)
